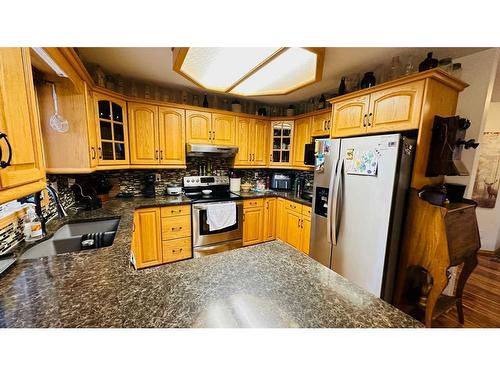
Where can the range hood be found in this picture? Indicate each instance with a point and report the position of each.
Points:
(194, 149)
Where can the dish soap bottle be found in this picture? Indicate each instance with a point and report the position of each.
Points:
(32, 226)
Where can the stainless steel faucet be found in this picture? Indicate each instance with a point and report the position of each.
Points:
(61, 212)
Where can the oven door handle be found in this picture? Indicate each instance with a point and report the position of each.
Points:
(200, 207)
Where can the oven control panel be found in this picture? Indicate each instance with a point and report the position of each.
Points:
(194, 181)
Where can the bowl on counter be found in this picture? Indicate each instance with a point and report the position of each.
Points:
(246, 187)
(206, 192)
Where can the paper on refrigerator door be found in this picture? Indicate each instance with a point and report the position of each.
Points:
(362, 162)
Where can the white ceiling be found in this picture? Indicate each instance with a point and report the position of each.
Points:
(155, 65)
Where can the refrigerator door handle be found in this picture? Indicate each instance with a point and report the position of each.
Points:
(330, 198)
(337, 201)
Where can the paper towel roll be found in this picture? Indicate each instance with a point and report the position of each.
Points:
(234, 184)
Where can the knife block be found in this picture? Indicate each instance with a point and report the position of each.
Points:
(436, 238)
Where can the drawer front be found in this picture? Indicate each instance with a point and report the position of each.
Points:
(250, 203)
(175, 211)
(306, 210)
(176, 249)
(175, 227)
(462, 234)
(293, 206)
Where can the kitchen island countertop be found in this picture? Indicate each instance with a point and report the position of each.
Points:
(266, 285)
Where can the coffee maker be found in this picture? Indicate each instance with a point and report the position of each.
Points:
(149, 186)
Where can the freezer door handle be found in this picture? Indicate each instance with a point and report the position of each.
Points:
(330, 196)
(337, 201)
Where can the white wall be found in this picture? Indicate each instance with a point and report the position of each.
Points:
(479, 71)
(489, 218)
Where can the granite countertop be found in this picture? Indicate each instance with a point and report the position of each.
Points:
(266, 285)
(274, 193)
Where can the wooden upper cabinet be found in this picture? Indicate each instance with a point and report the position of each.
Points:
(19, 122)
(198, 127)
(350, 116)
(396, 108)
(144, 137)
(172, 125)
(321, 125)
(259, 138)
(243, 141)
(302, 135)
(91, 129)
(223, 130)
(112, 130)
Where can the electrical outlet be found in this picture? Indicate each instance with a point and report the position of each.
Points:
(71, 182)
(158, 177)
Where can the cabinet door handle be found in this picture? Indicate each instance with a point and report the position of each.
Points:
(5, 164)
(93, 152)
(100, 153)
(365, 116)
(325, 126)
(271, 157)
(329, 124)
(370, 115)
(161, 154)
(298, 223)
(213, 135)
(156, 154)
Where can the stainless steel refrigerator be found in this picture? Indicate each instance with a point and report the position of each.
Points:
(360, 188)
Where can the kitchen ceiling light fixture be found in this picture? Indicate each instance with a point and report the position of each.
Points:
(250, 71)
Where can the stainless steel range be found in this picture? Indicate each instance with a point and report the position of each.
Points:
(205, 241)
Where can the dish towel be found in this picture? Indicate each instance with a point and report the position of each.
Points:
(221, 215)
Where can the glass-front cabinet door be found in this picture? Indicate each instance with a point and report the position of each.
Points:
(281, 145)
(112, 130)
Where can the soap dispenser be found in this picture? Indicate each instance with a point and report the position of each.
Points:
(32, 225)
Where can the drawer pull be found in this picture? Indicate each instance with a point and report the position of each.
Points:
(174, 251)
(176, 228)
(174, 211)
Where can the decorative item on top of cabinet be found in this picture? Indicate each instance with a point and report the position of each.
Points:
(22, 170)
(112, 130)
(281, 143)
(301, 136)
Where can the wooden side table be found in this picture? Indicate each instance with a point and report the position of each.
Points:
(435, 238)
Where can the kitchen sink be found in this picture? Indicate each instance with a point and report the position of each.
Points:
(75, 237)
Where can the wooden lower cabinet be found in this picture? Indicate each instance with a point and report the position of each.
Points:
(270, 219)
(161, 235)
(146, 238)
(253, 225)
(297, 226)
(266, 219)
(292, 229)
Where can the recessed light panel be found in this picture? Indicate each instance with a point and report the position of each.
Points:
(250, 71)
(294, 68)
(220, 68)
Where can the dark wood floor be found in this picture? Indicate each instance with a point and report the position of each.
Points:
(481, 298)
